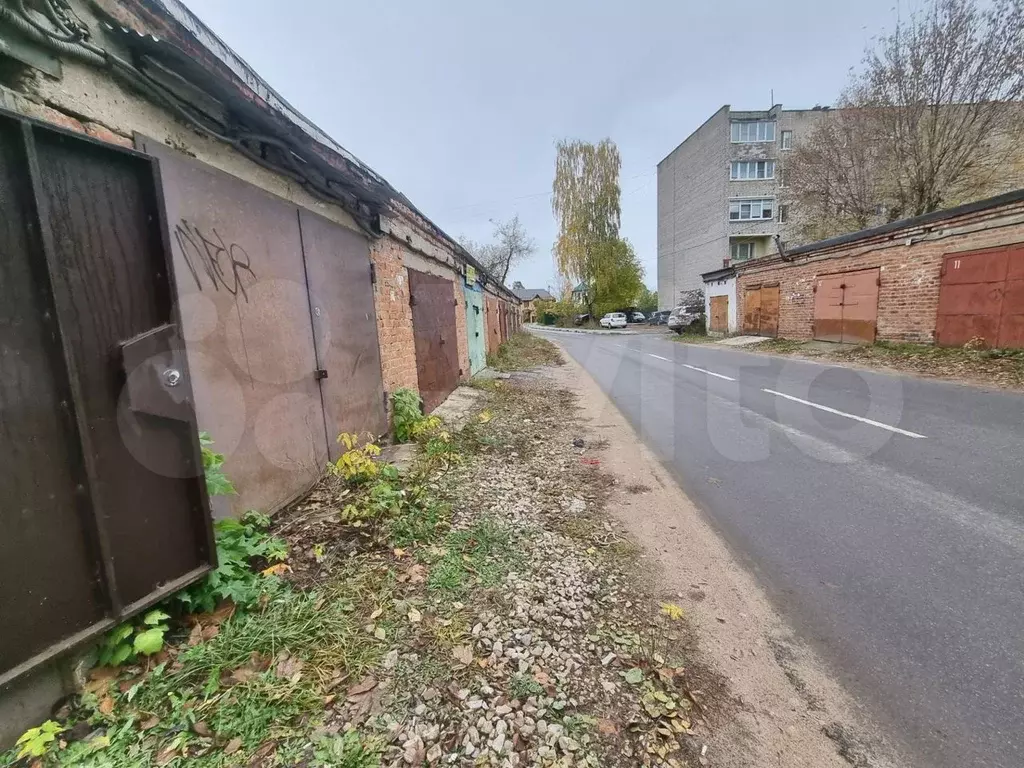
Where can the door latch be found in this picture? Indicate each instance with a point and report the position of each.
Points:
(320, 373)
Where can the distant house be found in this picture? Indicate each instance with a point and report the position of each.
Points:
(579, 293)
(528, 296)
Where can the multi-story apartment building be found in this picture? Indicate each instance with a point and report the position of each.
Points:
(721, 194)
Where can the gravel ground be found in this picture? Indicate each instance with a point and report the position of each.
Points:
(567, 659)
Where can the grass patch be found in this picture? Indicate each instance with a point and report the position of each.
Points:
(523, 351)
(693, 338)
(479, 556)
(779, 346)
(523, 687)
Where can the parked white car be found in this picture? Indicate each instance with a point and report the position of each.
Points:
(638, 317)
(680, 319)
(614, 320)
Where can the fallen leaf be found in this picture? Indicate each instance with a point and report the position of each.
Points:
(233, 746)
(399, 552)
(368, 683)
(223, 612)
(417, 573)
(379, 633)
(484, 417)
(106, 705)
(210, 632)
(415, 616)
(463, 653)
(152, 722)
(634, 676)
(606, 726)
(202, 729)
(276, 570)
(377, 614)
(289, 668)
(166, 755)
(542, 677)
(666, 674)
(195, 637)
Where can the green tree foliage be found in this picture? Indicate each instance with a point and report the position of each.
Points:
(585, 198)
(618, 277)
(647, 300)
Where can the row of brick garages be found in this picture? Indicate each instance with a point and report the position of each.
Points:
(160, 276)
(949, 277)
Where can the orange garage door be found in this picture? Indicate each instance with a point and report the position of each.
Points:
(846, 307)
(981, 295)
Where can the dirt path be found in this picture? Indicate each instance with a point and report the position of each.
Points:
(789, 711)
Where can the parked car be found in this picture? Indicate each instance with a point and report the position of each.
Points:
(614, 320)
(659, 318)
(681, 318)
(580, 319)
(637, 317)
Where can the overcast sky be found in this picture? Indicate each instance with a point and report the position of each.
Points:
(458, 103)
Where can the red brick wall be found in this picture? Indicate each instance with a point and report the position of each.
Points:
(908, 296)
(461, 333)
(394, 316)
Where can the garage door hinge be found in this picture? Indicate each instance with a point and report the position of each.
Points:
(373, 273)
(320, 373)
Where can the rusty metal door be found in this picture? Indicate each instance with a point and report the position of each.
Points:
(719, 314)
(248, 316)
(493, 326)
(433, 325)
(752, 310)
(846, 307)
(769, 310)
(981, 295)
(503, 313)
(345, 328)
(761, 310)
(105, 510)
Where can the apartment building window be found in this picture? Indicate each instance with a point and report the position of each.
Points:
(751, 210)
(787, 139)
(750, 131)
(743, 170)
(783, 213)
(741, 251)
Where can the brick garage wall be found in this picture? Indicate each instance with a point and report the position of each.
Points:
(461, 331)
(909, 262)
(394, 316)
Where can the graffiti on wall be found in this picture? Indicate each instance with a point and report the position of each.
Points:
(223, 265)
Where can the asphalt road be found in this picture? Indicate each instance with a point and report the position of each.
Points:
(886, 520)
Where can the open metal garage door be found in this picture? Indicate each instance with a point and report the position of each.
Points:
(846, 307)
(104, 507)
(981, 295)
(433, 324)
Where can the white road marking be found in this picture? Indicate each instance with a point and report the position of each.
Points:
(825, 408)
(709, 373)
(660, 357)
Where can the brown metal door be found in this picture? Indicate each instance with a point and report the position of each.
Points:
(345, 328)
(860, 306)
(720, 314)
(241, 281)
(752, 310)
(769, 310)
(981, 295)
(104, 508)
(846, 307)
(503, 309)
(493, 326)
(828, 309)
(433, 324)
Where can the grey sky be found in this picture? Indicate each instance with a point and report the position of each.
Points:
(458, 104)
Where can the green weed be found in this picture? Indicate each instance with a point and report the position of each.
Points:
(523, 351)
(523, 687)
(478, 556)
(239, 544)
(406, 411)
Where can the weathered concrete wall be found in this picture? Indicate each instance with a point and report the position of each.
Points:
(692, 215)
(909, 262)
